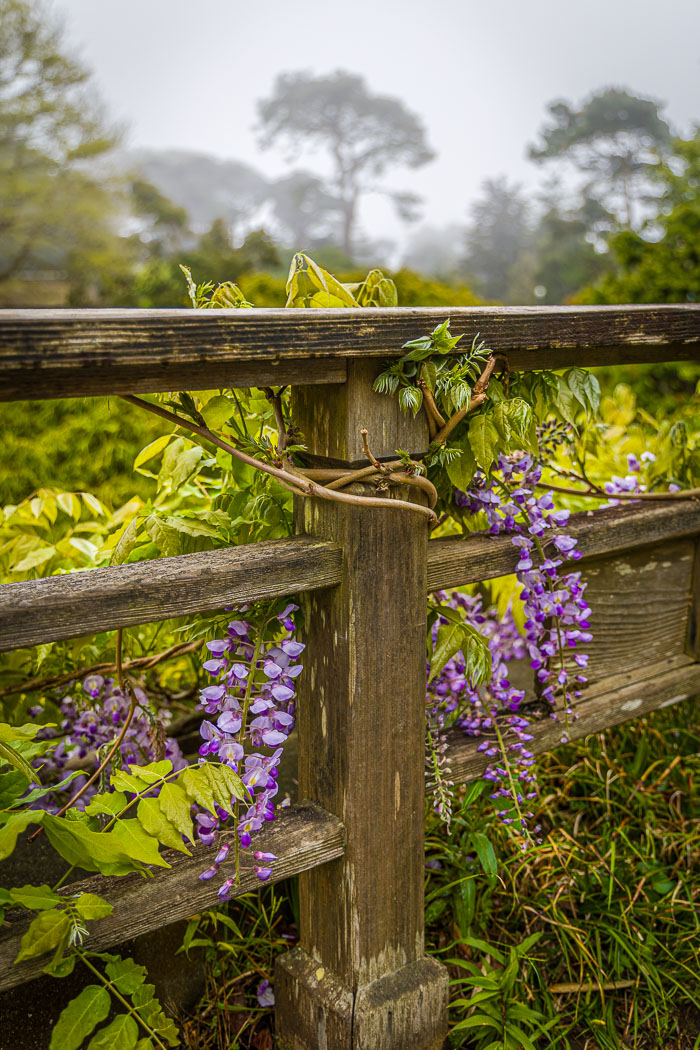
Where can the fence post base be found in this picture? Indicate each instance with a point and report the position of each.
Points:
(404, 1010)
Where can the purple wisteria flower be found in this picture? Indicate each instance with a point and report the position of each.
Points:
(251, 710)
(265, 994)
(556, 624)
(91, 717)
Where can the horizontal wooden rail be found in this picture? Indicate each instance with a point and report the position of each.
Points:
(302, 837)
(75, 353)
(620, 699)
(58, 607)
(82, 603)
(456, 561)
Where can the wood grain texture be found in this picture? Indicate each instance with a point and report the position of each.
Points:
(622, 697)
(639, 608)
(692, 642)
(454, 561)
(361, 727)
(73, 353)
(402, 1011)
(332, 424)
(302, 837)
(101, 599)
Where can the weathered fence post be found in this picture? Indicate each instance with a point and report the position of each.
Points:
(360, 979)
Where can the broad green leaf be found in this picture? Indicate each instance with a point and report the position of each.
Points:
(485, 852)
(90, 906)
(127, 541)
(450, 637)
(585, 388)
(134, 785)
(136, 843)
(93, 504)
(70, 504)
(198, 787)
(125, 974)
(164, 536)
(154, 771)
(91, 850)
(14, 826)
(12, 787)
(38, 898)
(10, 734)
(217, 411)
(13, 758)
(80, 1018)
(175, 806)
(190, 526)
(121, 1034)
(151, 450)
(33, 559)
(154, 823)
(44, 933)
(567, 405)
(483, 440)
(429, 373)
(110, 803)
(460, 471)
(61, 967)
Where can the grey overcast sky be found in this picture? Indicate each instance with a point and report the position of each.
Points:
(187, 73)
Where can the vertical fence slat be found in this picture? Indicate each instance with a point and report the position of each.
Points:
(360, 980)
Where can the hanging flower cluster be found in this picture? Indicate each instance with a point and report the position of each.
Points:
(556, 625)
(91, 721)
(252, 678)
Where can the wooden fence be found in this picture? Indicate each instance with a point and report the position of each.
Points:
(360, 979)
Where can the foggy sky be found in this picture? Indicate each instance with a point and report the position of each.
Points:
(187, 74)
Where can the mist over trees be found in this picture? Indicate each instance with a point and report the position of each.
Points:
(84, 221)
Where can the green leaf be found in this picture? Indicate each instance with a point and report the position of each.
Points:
(483, 440)
(151, 450)
(460, 471)
(62, 967)
(134, 785)
(217, 411)
(175, 806)
(12, 787)
(34, 558)
(164, 536)
(154, 771)
(38, 898)
(485, 852)
(125, 974)
(154, 823)
(91, 850)
(429, 373)
(585, 388)
(44, 933)
(450, 637)
(13, 758)
(410, 397)
(127, 541)
(110, 803)
(121, 1034)
(198, 787)
(80, 1018)
(14, 826)
(136, 843)
(90, 906)
(566, 404)
(12, 734)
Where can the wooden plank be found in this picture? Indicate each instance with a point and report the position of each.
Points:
(360, 978)
(622, 697)
(332, 425)
(692, 647)
(101, 599)
(456, 561)
(639, 607)
(74, 353)
(59, 607)
(302, 837)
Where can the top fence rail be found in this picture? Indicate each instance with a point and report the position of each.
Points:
(86, 353)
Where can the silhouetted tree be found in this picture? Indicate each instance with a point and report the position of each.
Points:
(496, 237)
(363, 133)
(614, 138)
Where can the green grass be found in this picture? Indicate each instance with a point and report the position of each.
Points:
(613, 893)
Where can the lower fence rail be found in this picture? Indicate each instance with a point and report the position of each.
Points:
(303, 837)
